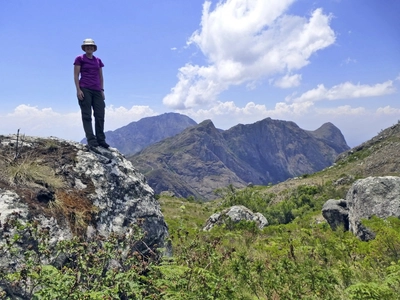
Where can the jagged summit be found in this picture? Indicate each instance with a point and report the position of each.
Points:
(332, 135)
(203, 158)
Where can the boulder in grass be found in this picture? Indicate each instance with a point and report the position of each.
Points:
(236, 214)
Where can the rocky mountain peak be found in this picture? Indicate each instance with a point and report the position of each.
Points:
(207, 123)
(329, 133)
(203, 158)
(138, 135)
(206, 127)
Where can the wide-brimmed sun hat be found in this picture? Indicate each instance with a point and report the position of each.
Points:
(88, 42)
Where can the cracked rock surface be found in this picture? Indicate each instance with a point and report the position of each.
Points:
(48, 180)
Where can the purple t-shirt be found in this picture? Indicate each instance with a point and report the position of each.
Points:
(90, 68)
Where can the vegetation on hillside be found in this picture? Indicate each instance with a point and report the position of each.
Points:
(297, 256)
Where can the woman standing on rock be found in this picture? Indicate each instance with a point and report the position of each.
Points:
(90, 92)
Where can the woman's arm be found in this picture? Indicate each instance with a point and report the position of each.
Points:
(102, 82)
(77, 70)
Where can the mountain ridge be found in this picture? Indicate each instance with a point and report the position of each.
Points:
(136, 136)
(204, 158)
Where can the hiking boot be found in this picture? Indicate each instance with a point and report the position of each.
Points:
(104, 144)
(93, 144)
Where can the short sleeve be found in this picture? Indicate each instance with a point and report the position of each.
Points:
(100, 63)
(78, 61)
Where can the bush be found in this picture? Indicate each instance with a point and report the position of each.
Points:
(104, 268)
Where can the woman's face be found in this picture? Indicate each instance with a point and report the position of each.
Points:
(89, 49)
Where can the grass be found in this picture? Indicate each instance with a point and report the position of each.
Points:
(51, 145)
(75, 207)
(35, 169)
(179, 212)
(27, 170)
(304, 259)
(302, 251)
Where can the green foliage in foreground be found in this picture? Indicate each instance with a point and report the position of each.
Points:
(109, 268)
(294, 261)
(300, 260)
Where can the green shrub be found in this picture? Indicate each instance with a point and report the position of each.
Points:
(105, 268)
(370, 291)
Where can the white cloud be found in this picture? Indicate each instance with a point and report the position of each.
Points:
(345, 90)
(345, 110)
(357, 124)
(288, 81)
(227, 114)
(31, 119)
(388, 110)
(246, 41)
(117, 117)
(47, 122)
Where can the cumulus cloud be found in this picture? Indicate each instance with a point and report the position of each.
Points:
(345, 90)
(245, 41)
(345, 110)
(227, 114)
(357, 124)
(288, 81)
(34, 121)
(45, 122)
(117, 117)
(388, 110)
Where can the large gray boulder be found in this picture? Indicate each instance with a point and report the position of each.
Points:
(372, 196)
(121, 194)
(336, 213)
(235, 214)
(63, 176)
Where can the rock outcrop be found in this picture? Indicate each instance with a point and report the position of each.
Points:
(336, 213)
(235, 214)
(70, 191)
(372, 196)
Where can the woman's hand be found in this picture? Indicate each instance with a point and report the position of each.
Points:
(102, 94)
(80, 94)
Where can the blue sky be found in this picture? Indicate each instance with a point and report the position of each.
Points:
(231, 61)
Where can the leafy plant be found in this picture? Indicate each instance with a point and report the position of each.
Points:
(104, 268)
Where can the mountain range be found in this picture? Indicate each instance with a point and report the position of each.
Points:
(136, 136)
(202, 158)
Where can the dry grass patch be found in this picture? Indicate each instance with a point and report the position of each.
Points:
(25, 171)
(75, 207)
